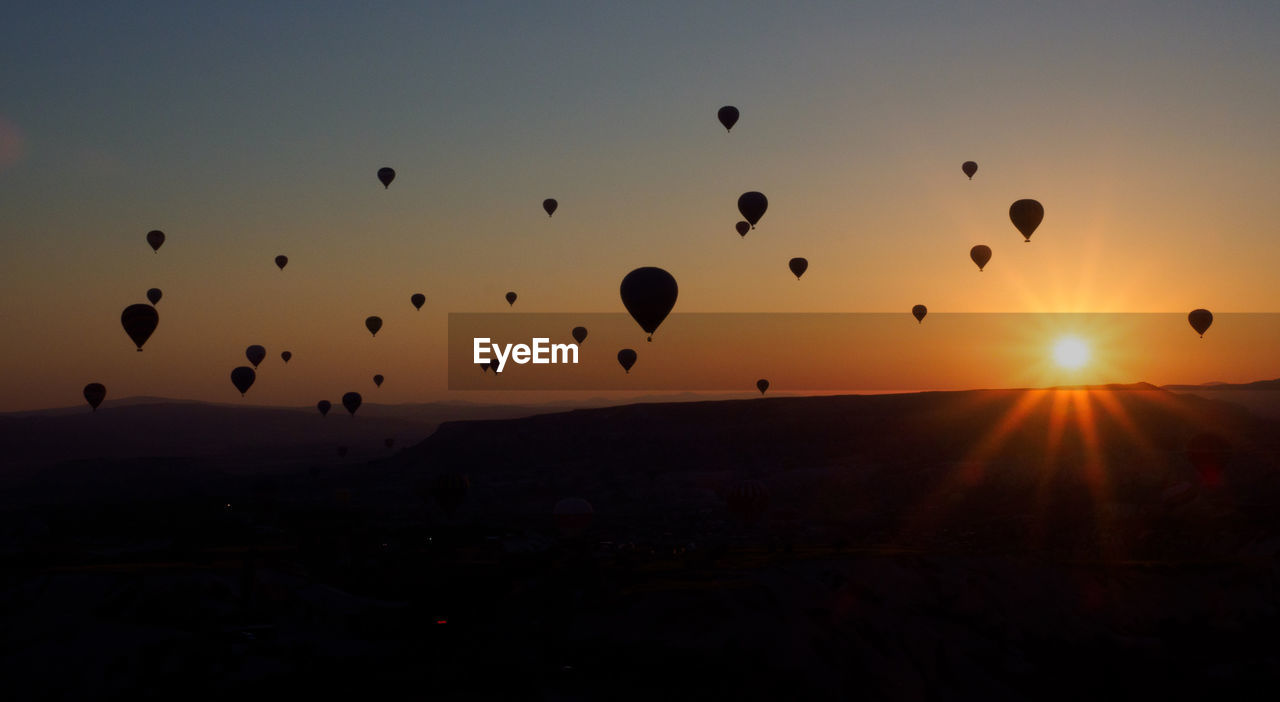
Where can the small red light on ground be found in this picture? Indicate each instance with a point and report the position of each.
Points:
(442, 621)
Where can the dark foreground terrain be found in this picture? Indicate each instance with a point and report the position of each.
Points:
(1003, 544)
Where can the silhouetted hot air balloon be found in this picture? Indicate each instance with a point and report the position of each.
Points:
(154, 295)
(511, 298)
(385, 176)
(969, 168)
(286, 355)
(627, 357)
(919, 311)
(550, 206)
(352, 402)
(749, 500)
(255, 354)
(373, 324)
(242, 377)
(1209, 454)
(579, 334)
(139, 323)
(155, 238)
(762, 385)
(1026, 215)
(324, 406)
(752, 206)
(798, 266)
(1200, 321)
(418, 300)
(649, 294)
(573, 515)
(94, 394)
(728, 116)
(282, 261)
(980, 254)
(742, 228)
(449, 491)
(377, 380)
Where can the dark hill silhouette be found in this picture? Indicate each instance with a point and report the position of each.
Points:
(1260, 396)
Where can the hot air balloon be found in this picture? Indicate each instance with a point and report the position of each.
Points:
(1200, 321)
(377, 380)
(573, 515)
(373, 324)
(352, 402)
(94, 394)
(242, 377)
(286, 355)
(550, 206)
(1026, 216)
(1209, 454)
(511, 298)
(919, 311)
(742, 228)
(752, 206)
(282, 261)
(649, 294)
(386, 175)
(154, 295)
(418, 300)
(155, 238)
(728, 116)
(449, 491)
(798, 266)
(139, 323)
(579, 334)
(762, 385)
(627, 357)
(324, 406)
(980, 255)
(969, 168)
(255, 354)
(749, 500)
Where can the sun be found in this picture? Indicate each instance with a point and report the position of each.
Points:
(1070, 352)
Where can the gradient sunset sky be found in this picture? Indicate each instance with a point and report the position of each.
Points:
(248, 130)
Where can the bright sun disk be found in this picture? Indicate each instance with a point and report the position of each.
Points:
(1070, 352)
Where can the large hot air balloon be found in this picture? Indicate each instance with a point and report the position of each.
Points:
(242, 377)
(286, 356)
(919, 311)
(798, 266)
(154, 295)
(649, 294)
(742, 228)
(752, 206)
(255, 354)
(385, 176)
(1026, 216)
(155, 238)
(579, 334)
(511, 298)
(1200, 321)
(377, 380)
(550, 206)
(449, 490)
(324, 406)
(94, 394)
(1209, 454)
(627, 358)
(762, 385)
(139, 323)
(749, 500)
(282, 261)
(980, 254)
(373, 324)
(969, 168)
(728, 116)
(418, 300)
(352, 402)
(573, 515)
